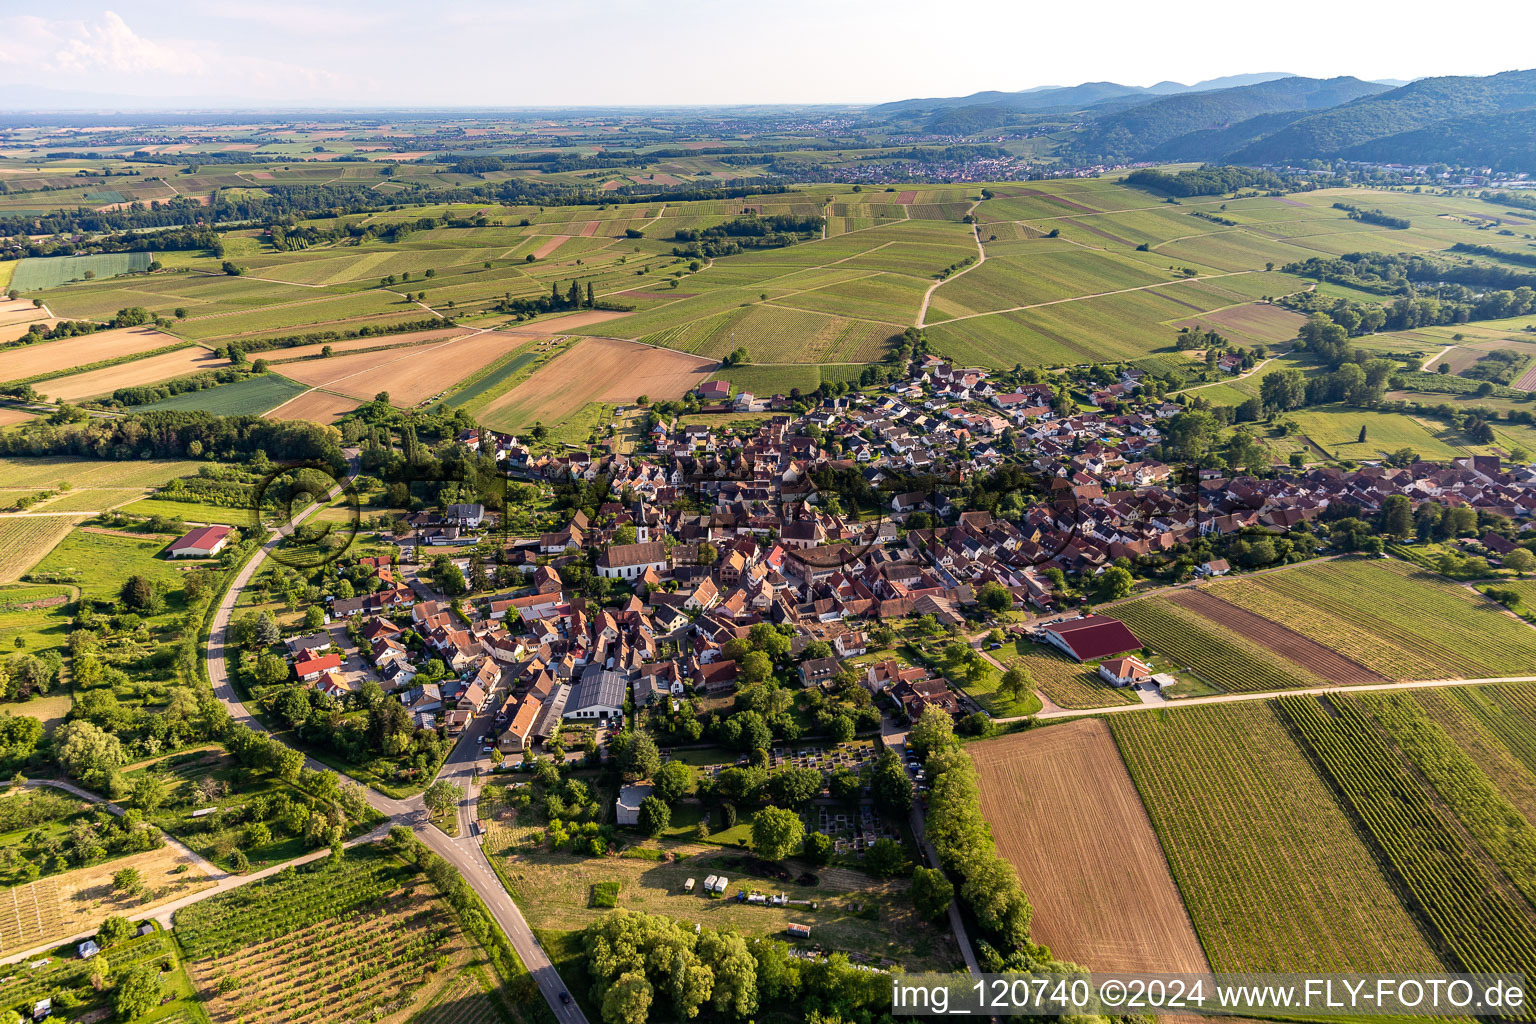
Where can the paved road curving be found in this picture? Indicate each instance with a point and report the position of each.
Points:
(464, 853)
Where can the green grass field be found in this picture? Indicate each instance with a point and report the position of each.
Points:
(250, 397)
(36, 274)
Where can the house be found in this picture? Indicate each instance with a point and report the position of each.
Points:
(514, 739)
(1091, 637)
(599, 694)
(1124, 672)
(627, 561)
(203, 542)
(312, 642)
(627, 807)
(1215, 567)
(422, 699)
(310, 668)
(466, 515)
(818, 670)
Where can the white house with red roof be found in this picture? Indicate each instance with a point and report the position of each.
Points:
(203, 542)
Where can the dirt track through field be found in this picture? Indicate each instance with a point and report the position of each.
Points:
(1066, 815)
(1286, 642)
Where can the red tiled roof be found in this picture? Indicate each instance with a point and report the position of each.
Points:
(203, 537)
(312, 665)
(1095, 636)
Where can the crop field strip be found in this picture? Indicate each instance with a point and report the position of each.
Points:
(1483, 929)
(1219, 655)
(26, 540)
(1397, 620)
(1286, 643)
(1276, 875)
(1066, 682)
(1066, 815)
(1500, 829)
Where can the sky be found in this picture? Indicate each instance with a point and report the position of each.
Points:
(517, 53)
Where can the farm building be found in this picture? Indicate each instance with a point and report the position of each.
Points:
(799, 931)
(1124, 672)
(714, 390)
(1092, 637)
(203, 542)
(629, 561)
(600, 694)
(627, 807)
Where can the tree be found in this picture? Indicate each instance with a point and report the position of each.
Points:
(776, 833)
(271, 669)
(994, 597)
(1361, 438)
(673, 780)
(89, 752)
(931, 892)
(442, 796)
(137, 592)
(150, 792)
(448, 577)
(314, 617)
(138, 992)
(1520, 560)
(1115, 583)
(1016, 682)
(628, 999)
(640, 759)
(113, 930)
(891, 785)
(755, 667)
(1397, 516)
(654, 816)
(127, 881)
(933, 730)
(884, 858)
(818, 848)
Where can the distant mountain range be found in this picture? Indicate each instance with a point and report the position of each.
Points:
(1269, 118)
(1072, 97)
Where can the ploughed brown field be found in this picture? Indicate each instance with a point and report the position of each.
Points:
(1286, 642)
(596, 370)
(150, 370)
(279, 355)
(53, 356)
(316, 406)
(1066, 815)
(569, 322)
(410, 375)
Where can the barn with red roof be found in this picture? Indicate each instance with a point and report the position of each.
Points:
(1092, 637)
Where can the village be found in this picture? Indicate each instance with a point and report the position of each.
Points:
(726, 565)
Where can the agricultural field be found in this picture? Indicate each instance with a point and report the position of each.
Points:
(34, 274)
(250, 397)
(1067, 683)
(1394, 619)
(410, 375)
(1336, 430)
(594, 370)
(26, 540)
(54, 471)
(149, 370)
(48, 357)
(61, 975)
(317, 406)
(1219, 655)
(368, 939)
(1466, 904)
(57, 906)
(1065, 814)
(1274, 871)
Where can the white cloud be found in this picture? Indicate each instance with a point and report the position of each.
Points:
(108, 44)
